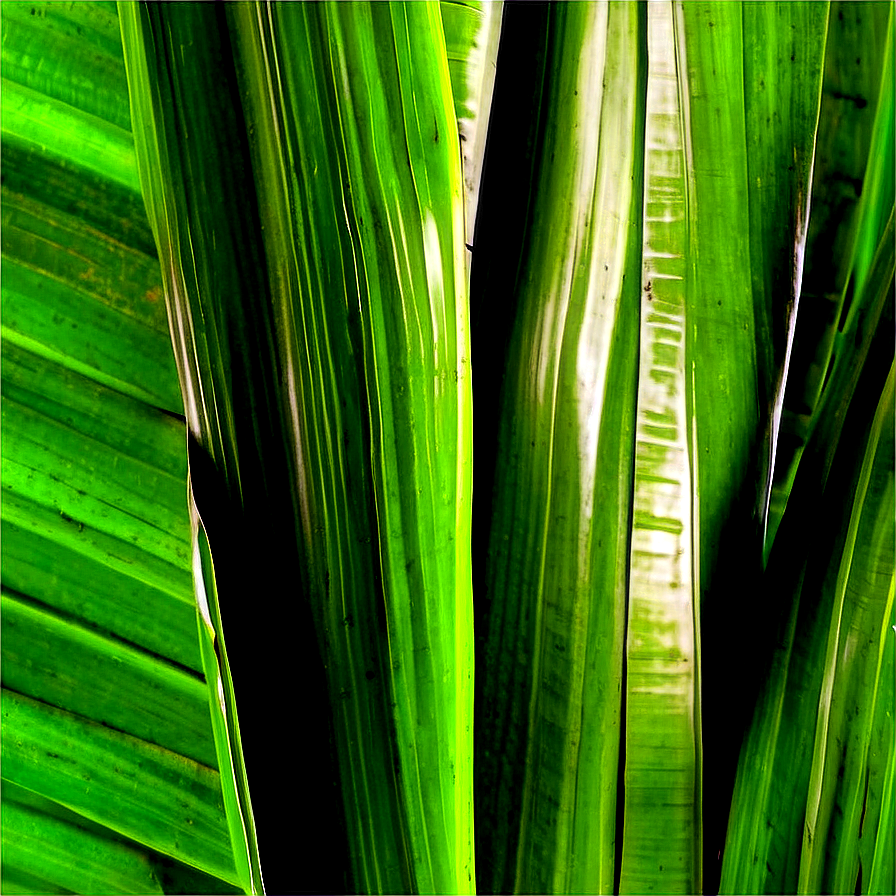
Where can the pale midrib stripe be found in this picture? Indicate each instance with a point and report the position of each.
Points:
(664, 397)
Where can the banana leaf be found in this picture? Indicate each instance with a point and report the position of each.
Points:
(103, 692)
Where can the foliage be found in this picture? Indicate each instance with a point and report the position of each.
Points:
(635, 635)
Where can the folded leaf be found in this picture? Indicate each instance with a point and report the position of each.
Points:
(321, 339)
(100, 657)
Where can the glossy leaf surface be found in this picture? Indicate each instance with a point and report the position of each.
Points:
(103, 699)
(557, 579)
(686, 213)
(373, 379)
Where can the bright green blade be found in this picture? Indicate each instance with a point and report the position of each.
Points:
(91, 480)
(338, 491)
(746, 224)
(22, 868)
(880, 179)
(342, 435)
(556, 581)
(68, 53)
(857, 637)
(54, 659)
(784, 50)
(69, 857)
(100, 658)
(707, 385)
(773, 782)
(118, 781)
(876, 859)
(152, 79)
(708, 368)
(225, 725)
(86, 561)
(310, 206)
(88, 300)
(78, 137)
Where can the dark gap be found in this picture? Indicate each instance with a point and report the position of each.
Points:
(509, 166)
(620, 771)
(864, 802)
(178, 416)
(267, 619)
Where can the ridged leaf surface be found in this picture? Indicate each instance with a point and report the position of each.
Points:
(557, 576)
(344, 437)
(108, 760)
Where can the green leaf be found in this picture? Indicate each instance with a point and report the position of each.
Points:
(100, 658)
(857, 638)
(96, 851)
(746, 236)
(784, 50)
(95, 570)
(225, 724)
(359, 402)
(69, 859)
(706, 371)
(850, 178)
(81, 139)
(119, 781)
(53, 659)
(70, 53)
(877, 826)
(88, 300)
(662, 833)
(770, 800)
(557, 574)
(646, 238)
